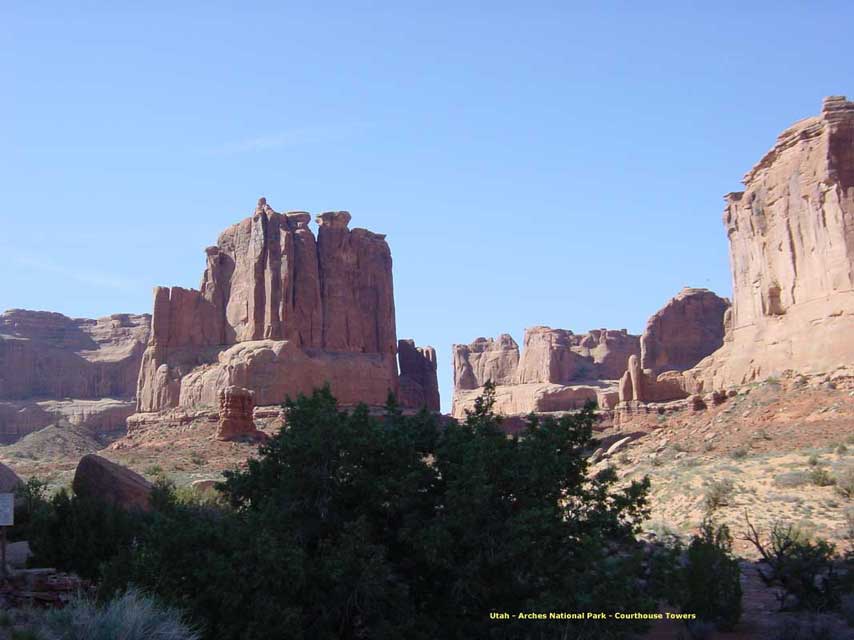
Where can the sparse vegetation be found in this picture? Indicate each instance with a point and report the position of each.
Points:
(718, 494)
(821, 477)
(845, 482)
(740, 453)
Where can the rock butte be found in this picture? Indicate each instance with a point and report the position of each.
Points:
(58, 369)
(280, 312)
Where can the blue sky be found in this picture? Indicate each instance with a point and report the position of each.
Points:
(552, 163)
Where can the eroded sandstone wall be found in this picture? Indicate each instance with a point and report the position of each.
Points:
(791, 239)
(278, 312)
(54, 368)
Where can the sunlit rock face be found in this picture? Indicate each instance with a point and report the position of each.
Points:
(279, 312)
(791, 240)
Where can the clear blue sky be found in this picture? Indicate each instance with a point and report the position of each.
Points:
(551, 163)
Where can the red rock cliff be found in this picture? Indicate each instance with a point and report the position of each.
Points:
(278, 312)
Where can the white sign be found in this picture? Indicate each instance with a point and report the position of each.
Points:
(7, 509)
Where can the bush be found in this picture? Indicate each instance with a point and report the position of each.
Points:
(740, 453)
(845, 482)
(803, 570)
(713, 578)
(821, 478)
(80, 534)
(347, 526)
(717, 495)
(792, 479)
(131, 616)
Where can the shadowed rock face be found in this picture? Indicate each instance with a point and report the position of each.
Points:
(99, 478)
(278, 312)
(419, 385)
(791, 238)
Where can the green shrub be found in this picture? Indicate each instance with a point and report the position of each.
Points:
(792, 479)
(821, 478)
(718, 494)
(713, 578)
(740, 453)
(845, 482)
(347, 526)
(803, 570)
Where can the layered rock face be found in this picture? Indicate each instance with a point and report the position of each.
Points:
(55, 368)
(419, 385)
(279, 312)
(558, 370)
(791, 238)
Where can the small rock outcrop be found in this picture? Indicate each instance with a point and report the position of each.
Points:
(101, 479)
(792, 256)
(419, 385)
(236, 407)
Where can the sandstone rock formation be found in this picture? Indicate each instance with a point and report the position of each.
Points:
(55, 368)
(419, 385)
(686, 330)
(558, 370)
(561, 356)
(485, 359)
(48, 355)
(99, 478)
(280, 313)
(678, 336)
(791, 237)
(236, 406)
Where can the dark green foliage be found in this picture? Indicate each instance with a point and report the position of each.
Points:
(30, 505)
(79, 534)
(347, 526)
(804, 570)
(712, 578)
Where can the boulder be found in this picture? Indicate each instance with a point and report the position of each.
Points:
(9, 480)
(101, 479)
